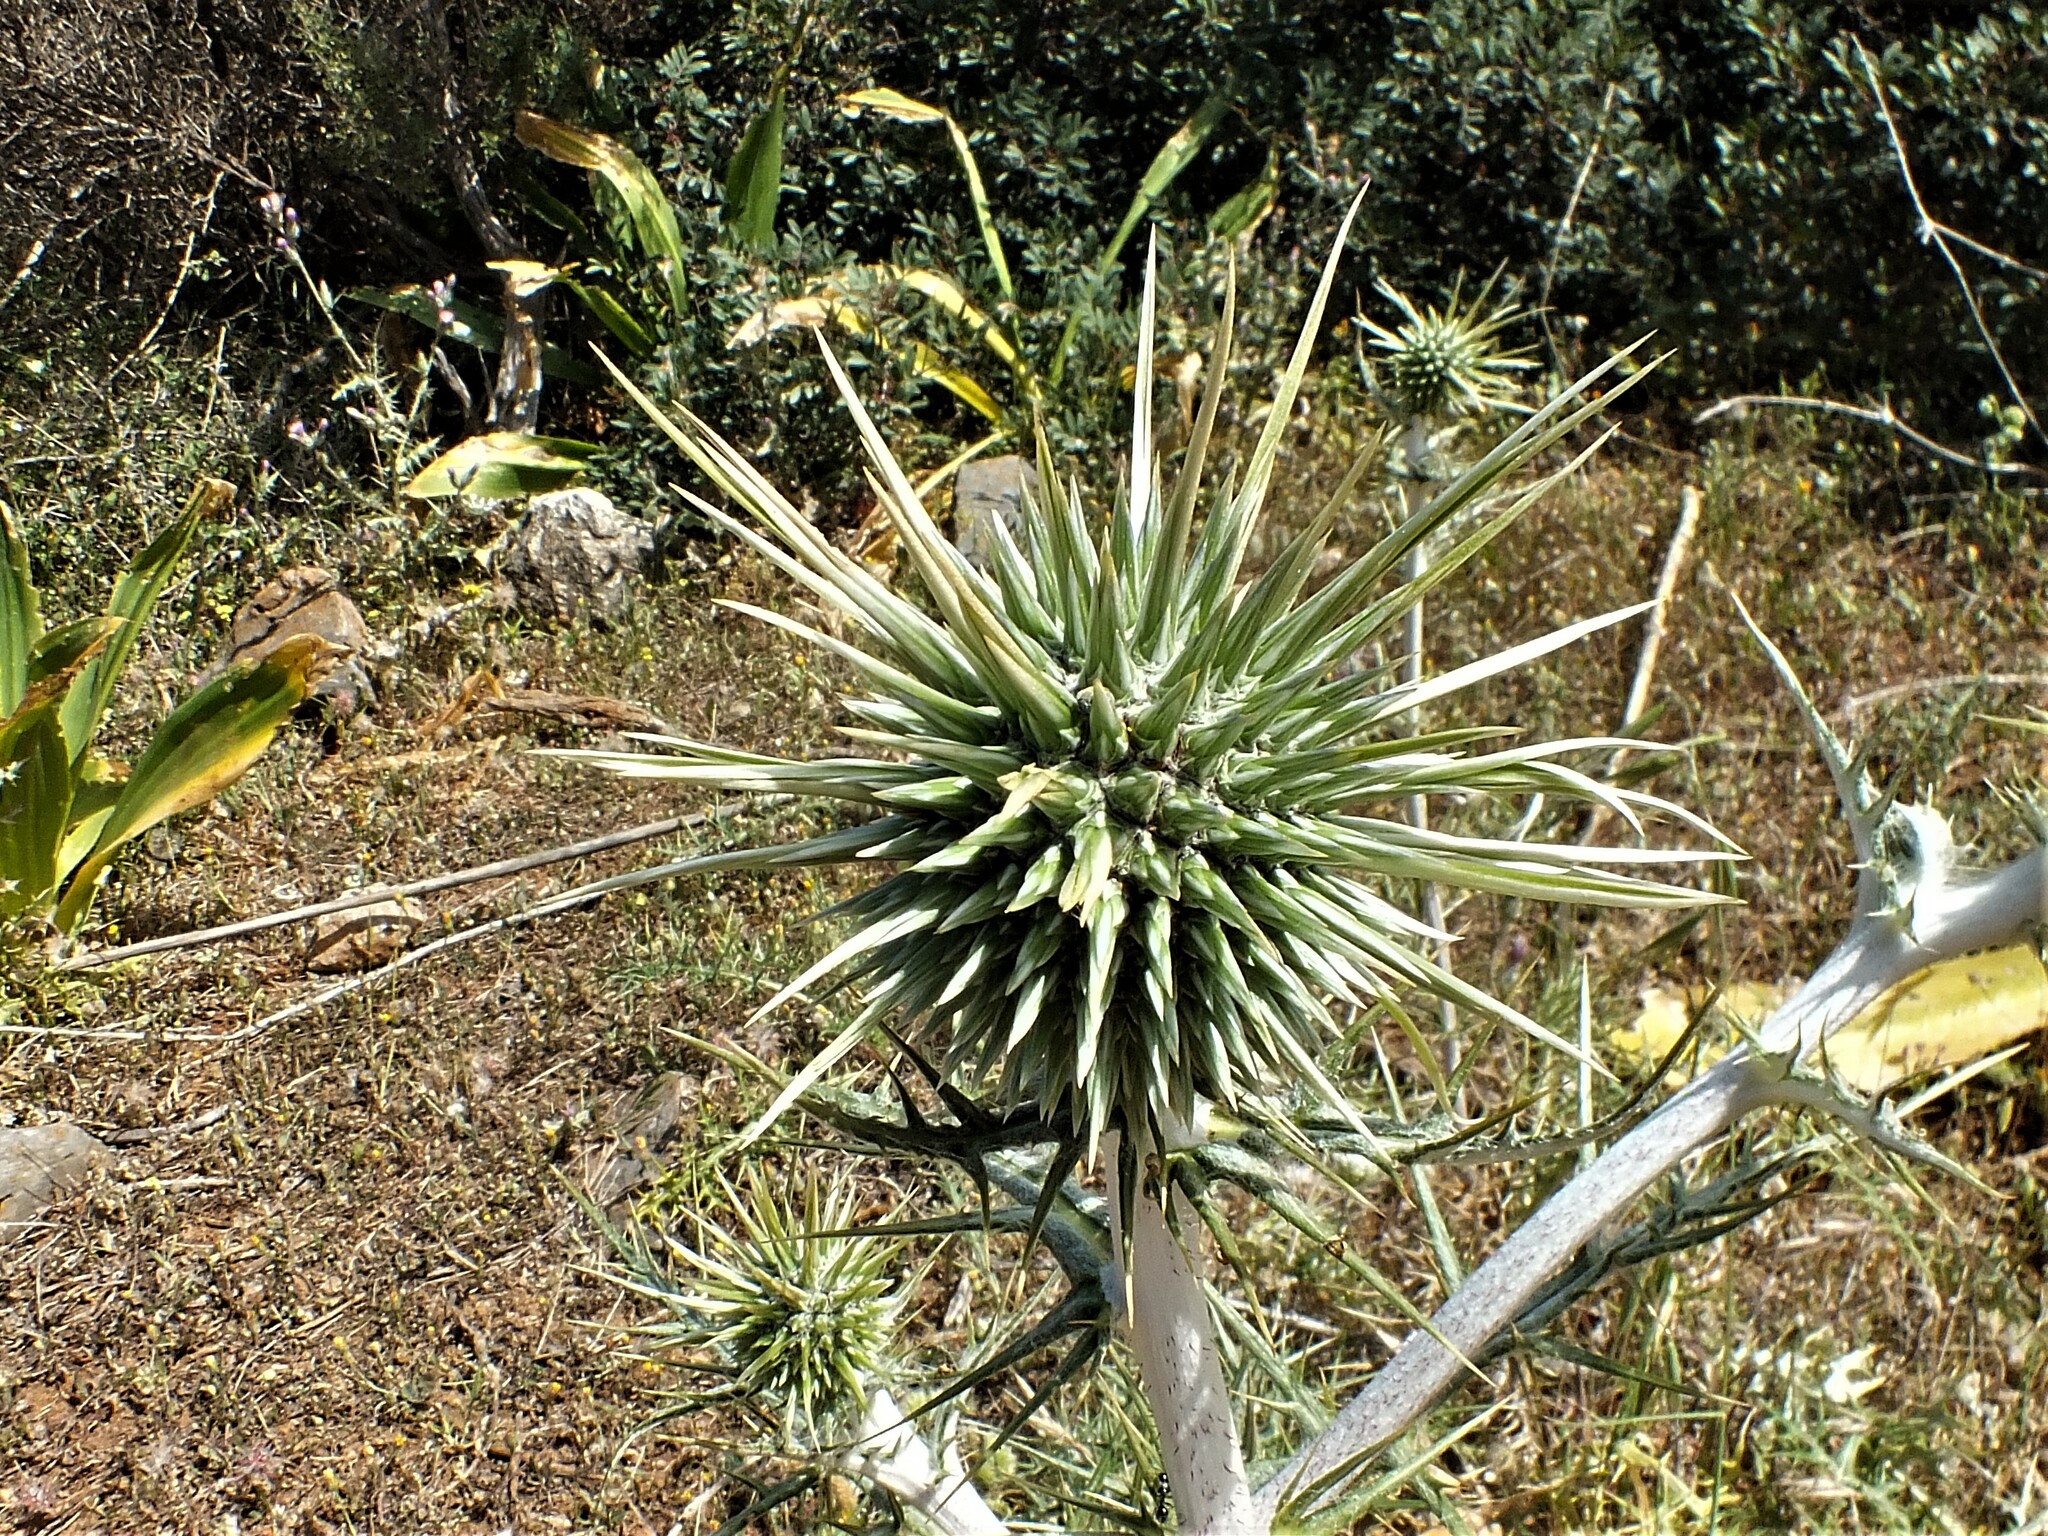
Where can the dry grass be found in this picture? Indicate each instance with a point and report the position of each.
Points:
(360, 1302)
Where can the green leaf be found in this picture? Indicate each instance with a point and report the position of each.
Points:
(93, 795)
(135, 596)
(753, 183)
(68, 647)
(1248, 204)
(20, 623)
(647, 207)
(1174, 156)
(614, 317)
(35, 803)
(495, 466)
(204, 745)
(475, 327)
(472, 326)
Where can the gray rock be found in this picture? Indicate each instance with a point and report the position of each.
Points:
(307, 600)
(575, 554)
(984, 491)
(37, 1163)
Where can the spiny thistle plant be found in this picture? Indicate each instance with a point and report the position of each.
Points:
(1446, 362)
(804, 1322)
(1133, 809)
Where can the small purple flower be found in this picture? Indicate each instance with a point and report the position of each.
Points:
(442, 291)
(283, 220)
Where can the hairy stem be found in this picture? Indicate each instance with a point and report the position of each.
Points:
(1174, 1340)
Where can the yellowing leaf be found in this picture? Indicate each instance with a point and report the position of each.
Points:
(813, 310)
(901, 108)
(494, 466)
(949, 296)
(526, 278)
(891, 104)
(1948, 1014)
(207, 743)
(927, 364)
(647, 206)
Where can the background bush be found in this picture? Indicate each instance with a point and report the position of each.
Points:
(1744, 201)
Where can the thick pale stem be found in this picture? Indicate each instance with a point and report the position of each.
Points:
(1423, 1370)
(893, 1457)
(1948, 917)
(1175, 1344)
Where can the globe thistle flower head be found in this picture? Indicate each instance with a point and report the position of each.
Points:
(1450, 361)
(1135, 824)
(805, 1321)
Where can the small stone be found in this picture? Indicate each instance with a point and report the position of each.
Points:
(362, 937)
(984, 491)
(306, 600)
(40, 1162)
(575, 555)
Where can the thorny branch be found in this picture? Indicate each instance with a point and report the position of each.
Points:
(1915, 908)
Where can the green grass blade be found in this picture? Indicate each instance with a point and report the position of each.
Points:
(135, 597)
(21, 623)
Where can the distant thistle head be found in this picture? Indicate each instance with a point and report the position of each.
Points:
(1450, 361)
(1135, 827)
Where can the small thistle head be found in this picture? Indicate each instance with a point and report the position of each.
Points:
(805, 1321)
(1450, 361)
(1137, 817)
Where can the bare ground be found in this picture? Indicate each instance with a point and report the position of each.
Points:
(361, 1299)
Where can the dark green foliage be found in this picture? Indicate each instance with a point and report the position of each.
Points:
(1744, 199)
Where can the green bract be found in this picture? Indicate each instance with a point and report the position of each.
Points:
(1446, 362)
(804, 1320)
(1136, 812)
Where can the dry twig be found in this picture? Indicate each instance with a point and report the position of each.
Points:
(1938, 234)
(375, 893)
